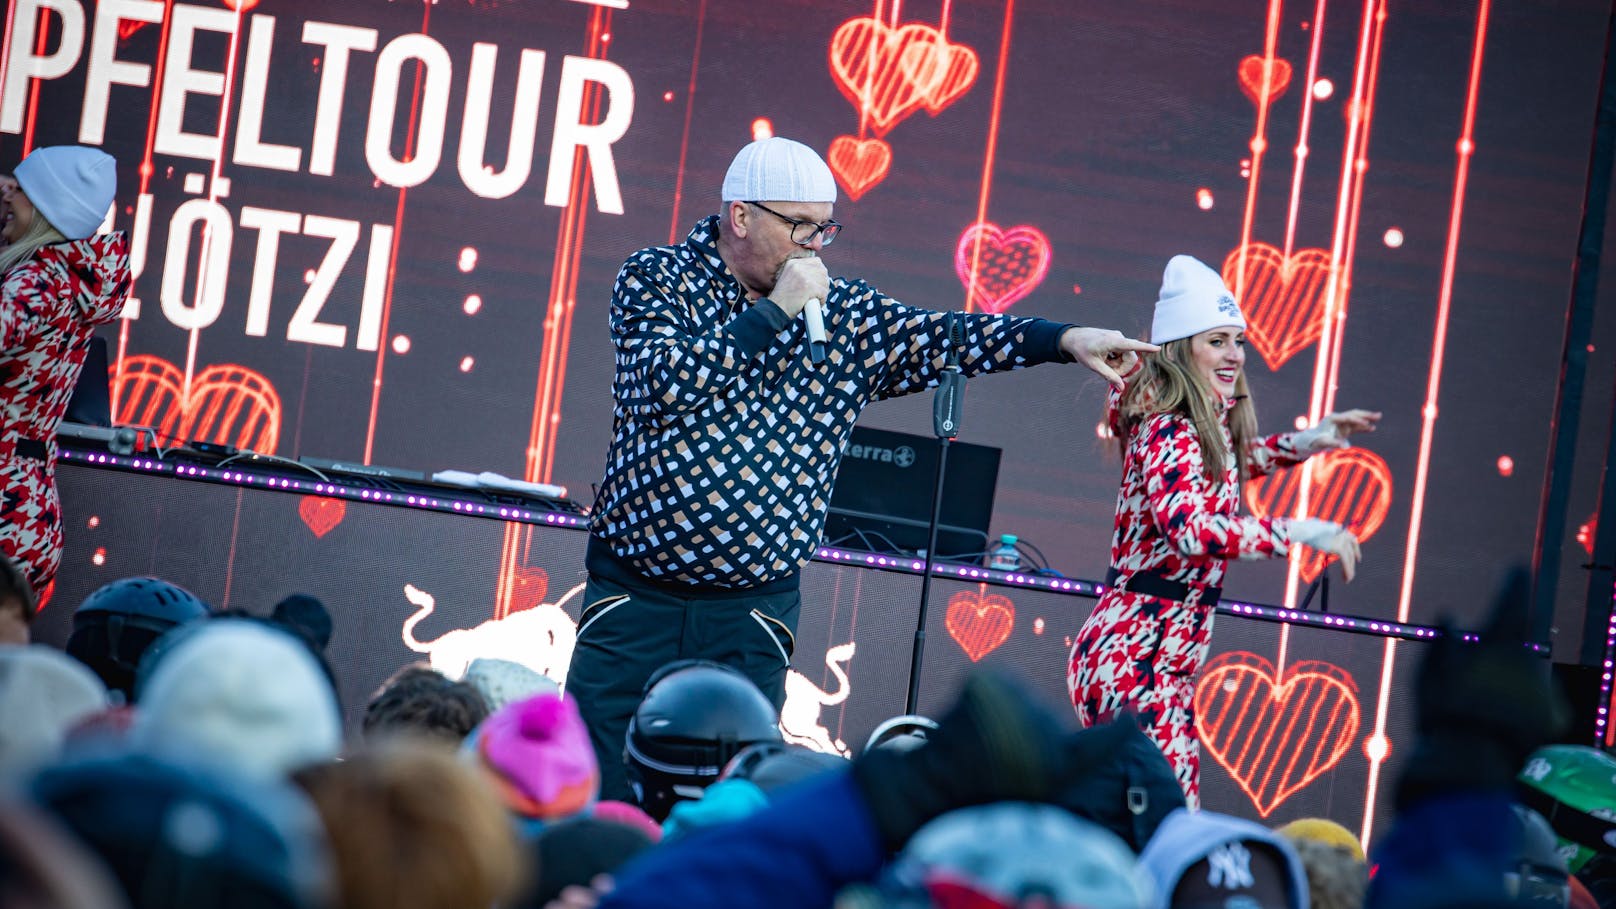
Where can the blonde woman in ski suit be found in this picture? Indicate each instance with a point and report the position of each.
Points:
(1188, 434)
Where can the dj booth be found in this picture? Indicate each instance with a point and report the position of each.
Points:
(411, 571)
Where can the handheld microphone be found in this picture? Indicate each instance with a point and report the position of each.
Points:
(950, 398)
(816, 330)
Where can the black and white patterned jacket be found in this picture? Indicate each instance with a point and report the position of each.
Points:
(726, 439)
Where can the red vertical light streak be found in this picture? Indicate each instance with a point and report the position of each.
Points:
(392, 254)
(1259, 142)
(195, 335)
(992, 148)
(40, 40)
(1334, 298)
(1301, 150)
(1360, 169)
(580, 173)
(869, 75)
(5, 42)
(156, 94)
(563, 290)
(1439, 342)
(684, 138)
(145, 174)
(557, 330)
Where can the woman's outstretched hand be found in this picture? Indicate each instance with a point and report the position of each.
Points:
(1331, 432)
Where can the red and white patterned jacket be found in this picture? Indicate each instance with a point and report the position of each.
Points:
(1171, 520)
(51, 305)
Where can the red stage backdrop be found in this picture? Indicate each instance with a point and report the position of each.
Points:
(386, 232)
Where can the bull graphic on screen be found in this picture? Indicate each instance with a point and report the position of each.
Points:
(540, 638)
(800, 720)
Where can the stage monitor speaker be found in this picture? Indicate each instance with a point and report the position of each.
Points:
(882, 498)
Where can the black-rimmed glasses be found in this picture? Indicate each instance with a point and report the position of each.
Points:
(804, 232)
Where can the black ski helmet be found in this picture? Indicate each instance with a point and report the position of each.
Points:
(695, 716)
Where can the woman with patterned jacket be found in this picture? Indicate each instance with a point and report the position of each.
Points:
(60, 281)
(1188, 433)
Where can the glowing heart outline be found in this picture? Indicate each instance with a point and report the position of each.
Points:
(979, 622)
(1010, 265)
(950, 68)
(859, 164)
(1263, 750)
(1283, 298)
(1350, 486)
(1250, 73)
(228, 404)
(890, 72)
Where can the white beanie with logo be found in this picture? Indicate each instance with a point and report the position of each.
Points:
(71, 185)
(777, 169)
(1193, 299)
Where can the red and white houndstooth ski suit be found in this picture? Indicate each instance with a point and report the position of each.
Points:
(1141, 652)
(52, 302)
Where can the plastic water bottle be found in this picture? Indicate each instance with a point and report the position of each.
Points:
(1005, 556)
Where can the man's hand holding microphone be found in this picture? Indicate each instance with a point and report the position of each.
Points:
(801, 287)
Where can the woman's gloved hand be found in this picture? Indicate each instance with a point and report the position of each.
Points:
(1330, 537)
(1331, 432)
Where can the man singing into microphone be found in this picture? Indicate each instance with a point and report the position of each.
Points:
(727, 434)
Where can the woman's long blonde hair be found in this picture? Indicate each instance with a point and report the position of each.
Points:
(40, 233)
(1168, 382)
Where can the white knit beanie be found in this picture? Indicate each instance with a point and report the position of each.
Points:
(1193, 299)
(71, 185)
(242, 695)
(778, 170)
(43, 693)
(503, 682)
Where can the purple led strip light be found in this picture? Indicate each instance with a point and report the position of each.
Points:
(952, 571)
(906, 565)
(1604, 682)
(320, 488)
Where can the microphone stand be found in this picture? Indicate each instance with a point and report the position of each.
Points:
(1319, 586)
(946, 406)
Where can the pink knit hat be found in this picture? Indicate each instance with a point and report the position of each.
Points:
(539, 753)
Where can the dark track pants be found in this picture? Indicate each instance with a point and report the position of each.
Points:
(627, 632)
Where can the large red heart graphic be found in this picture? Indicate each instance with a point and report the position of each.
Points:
(979, 622)
(1283, 298)
(999, 267)
(867, 64)
(1351, 486)
(228, 404)
(1251, 78)
(1275, 736)
(321, 514)
(859, 163)
(950, 69)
